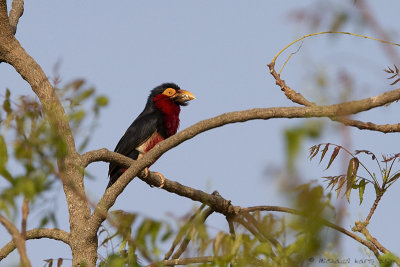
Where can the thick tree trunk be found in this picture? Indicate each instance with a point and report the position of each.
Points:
(83, 239)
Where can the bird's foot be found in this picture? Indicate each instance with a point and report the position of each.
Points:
(145, 173)
(162, 179)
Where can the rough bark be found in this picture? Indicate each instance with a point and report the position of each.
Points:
(83, 240)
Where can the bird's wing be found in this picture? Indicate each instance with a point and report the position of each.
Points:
(139, 131)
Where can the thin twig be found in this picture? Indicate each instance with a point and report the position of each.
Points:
(323, 221)
(300, 99)
(360, 227)
(261, 231)
(18, 240)
(182, 232)
(373, 208)
(190, 235)
(231, 227)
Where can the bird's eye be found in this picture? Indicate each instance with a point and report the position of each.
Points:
(169, 92)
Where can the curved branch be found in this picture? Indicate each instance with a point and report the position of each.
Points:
(149, 158)
(56, 234)
(103, 154)
(70, 174)
(214, 201)
(18, 240)
(17, 9)
(300, 99)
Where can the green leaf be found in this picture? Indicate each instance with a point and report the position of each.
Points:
(5, 173)
(7, 102)
(387, 259)
(377, 190)
(394, 177)
(101, 101)
(351, 176)
(3, 152)
(361, 189)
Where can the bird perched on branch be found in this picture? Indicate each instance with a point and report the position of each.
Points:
(158, 121)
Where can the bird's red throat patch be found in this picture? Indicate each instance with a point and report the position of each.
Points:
(170, 111)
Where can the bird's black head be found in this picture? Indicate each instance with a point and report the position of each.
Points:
(171, 91)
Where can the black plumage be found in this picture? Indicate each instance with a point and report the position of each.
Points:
(158, 120)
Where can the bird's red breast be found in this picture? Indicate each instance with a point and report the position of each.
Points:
(153, 140)
(170, 111)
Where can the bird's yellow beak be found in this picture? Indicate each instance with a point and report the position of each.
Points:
(183, 96)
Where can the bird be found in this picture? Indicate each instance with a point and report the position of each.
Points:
(158, 121)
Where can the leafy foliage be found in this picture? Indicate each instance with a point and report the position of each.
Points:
(352, 179)
(260, 239)
(29, 148)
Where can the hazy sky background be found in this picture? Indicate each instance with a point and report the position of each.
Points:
(218, 50)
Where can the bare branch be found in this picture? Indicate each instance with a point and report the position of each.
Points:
(56, 234)
(221, 205)
(215, 201)
(82, 246)
(149, 158)
(106, 155)
(231, 227)
(5, 31)
(373, 208)
(18, 240)
(17, 9)
(300, 99)
(25, 212)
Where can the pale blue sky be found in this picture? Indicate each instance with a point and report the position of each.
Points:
(218, 50)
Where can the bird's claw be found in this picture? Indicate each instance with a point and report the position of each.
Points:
(145, 173)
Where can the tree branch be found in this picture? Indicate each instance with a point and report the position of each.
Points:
(84, 250)
(323, 221)
(218, 203)
(17, 9)
(373, 208)
(25, 212)
(300, 99)
(18, 240)
(184, 261)
(56, 234)
(215, 201)
(149, 158)
(190, 235)
(182, 231)
(103, 154)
